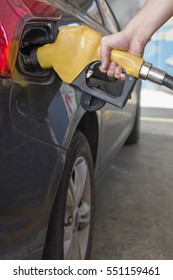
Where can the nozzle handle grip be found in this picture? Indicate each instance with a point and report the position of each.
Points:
(129, 62)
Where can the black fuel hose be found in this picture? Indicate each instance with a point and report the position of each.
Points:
(168, 81)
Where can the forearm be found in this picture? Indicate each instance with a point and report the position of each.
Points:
(134, 37)
(152, 16)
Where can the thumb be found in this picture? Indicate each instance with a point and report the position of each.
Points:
(105, 51)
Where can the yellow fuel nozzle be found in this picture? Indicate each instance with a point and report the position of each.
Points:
(77, 46)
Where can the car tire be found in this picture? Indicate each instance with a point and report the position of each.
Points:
(71, 224)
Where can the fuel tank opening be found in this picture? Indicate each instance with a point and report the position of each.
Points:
(35, 35)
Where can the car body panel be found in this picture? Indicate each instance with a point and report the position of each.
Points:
(124, 10)
(30, 171)
(116, 126)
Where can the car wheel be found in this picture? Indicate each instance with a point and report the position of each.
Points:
(71, 224)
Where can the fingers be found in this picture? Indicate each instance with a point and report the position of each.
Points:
(111, 68)
(105, 51)
(119, 73)
(114, 70)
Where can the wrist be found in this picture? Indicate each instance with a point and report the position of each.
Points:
(138, 38)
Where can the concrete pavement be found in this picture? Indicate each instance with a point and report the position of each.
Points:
(134, 199)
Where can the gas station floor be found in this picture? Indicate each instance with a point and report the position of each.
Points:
(134, 196)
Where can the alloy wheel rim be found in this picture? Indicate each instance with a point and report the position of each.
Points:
(77, 211)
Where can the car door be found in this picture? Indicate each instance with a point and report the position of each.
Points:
(115, 123)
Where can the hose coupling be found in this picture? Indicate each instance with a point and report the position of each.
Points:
(150, 73)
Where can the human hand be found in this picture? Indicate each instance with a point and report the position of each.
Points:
(120, 41)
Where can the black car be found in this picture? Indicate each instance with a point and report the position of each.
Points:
(51, 148)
